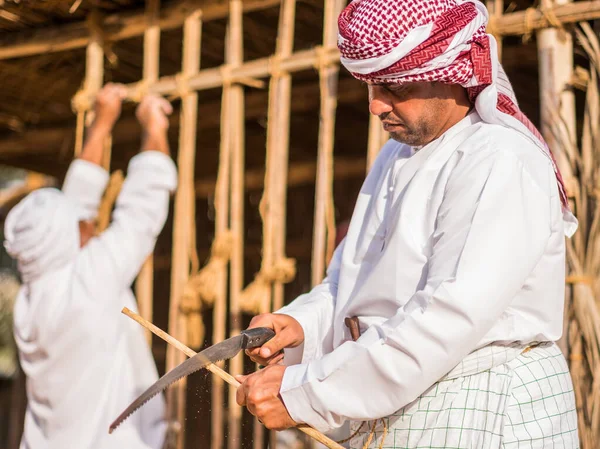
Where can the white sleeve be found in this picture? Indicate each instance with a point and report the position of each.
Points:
(141, 210)
(492, 229)
(84, 184)
(314, 312)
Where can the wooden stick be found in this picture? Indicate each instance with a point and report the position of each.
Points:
(275, 184)
(144, 286)
(182, 234)
(324, 221)
(192, 33)
(495, 9)
(233, 58)
(219, 372)
(377, 138)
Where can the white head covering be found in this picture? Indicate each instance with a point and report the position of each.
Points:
(42, 233)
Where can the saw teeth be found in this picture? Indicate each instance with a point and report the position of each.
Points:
(122, 419)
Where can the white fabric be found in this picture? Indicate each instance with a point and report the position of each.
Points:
(84, 360)
(33, 228)
(449, 249)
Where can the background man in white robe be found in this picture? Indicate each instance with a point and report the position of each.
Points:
(454, 262)
(83, 359)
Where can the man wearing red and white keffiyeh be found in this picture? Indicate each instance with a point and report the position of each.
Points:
(454, 260)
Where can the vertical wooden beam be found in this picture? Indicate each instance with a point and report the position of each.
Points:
(233, 58)
(144, 286)
(555, 57)
(94, 78)
(222, 191)
(377, 138)
(496, 9)
(184, 218)
(324, 222)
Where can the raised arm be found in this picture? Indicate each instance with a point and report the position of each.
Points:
(142, 207)
(86, 179)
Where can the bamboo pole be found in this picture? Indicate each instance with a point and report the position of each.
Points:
(555, 56)
(324, 221)
(144, 285)
(377, 138)
(94, 78)
(172, 341)
(275, 181)
(495, 9)
(182, 228)
(233, 58)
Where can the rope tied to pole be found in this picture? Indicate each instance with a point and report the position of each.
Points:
(200, 292)
(254, 299)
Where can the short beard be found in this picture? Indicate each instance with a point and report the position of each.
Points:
(415, 137)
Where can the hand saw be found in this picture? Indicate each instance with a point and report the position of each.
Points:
(248, 339)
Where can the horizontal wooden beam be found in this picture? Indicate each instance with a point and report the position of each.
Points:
(127, 25)
(116, 27)
(58, 141)
(530, 20)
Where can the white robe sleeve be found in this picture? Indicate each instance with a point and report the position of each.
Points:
(116, 256)
(84, 184)
(493, 226)
(314, 312)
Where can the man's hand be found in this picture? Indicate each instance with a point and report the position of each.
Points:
(107, 107)
(288, 334)
(152, 114)
(259, 392)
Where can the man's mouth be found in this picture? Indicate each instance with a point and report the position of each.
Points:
(391, 126)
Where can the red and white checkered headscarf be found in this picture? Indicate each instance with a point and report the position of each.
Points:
(403, 41)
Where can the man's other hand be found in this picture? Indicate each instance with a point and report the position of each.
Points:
(288, 334)
(107, 107)
(152, 114)
(259, 392)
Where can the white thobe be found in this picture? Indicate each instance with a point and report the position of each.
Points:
(84, 360)
(450, 248)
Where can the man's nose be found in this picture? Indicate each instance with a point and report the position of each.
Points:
(379, 101)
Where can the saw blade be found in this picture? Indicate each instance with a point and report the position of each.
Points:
(221, 351)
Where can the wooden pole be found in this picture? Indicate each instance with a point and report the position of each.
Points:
(183, 219)
(144, 285)
(555, 56)
(495, 9)
(219, 372)
(324, 222)
(94, 78)
(377, 138)
(221, 205)
(233, 58)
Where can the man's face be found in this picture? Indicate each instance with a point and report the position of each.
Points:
(87, 230)
(413, 113)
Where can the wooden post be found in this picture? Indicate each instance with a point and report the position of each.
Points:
(555, 56)
(184, 217)
(495, 9)
(144, 285)
(233, 58)
(377, 138)
(324, 222)
(94, 78)
(222, 190)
